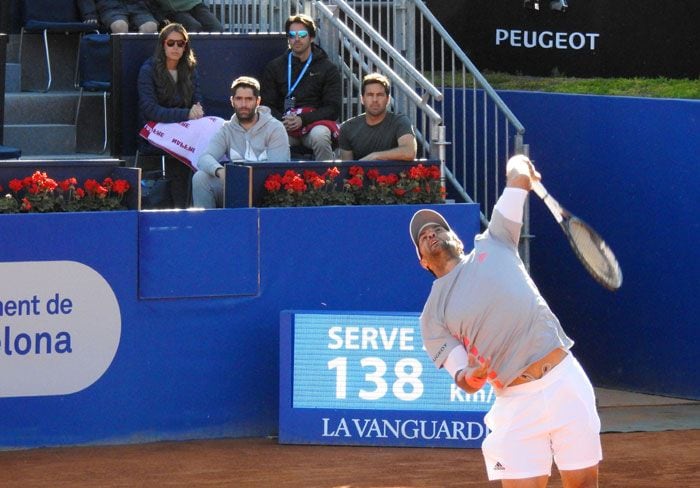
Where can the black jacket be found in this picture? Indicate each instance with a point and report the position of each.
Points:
(319, 88)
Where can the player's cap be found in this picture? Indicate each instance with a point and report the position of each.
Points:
(422, 218)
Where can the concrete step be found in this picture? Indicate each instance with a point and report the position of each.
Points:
(35, 139)
(37, 108)
(13, 77)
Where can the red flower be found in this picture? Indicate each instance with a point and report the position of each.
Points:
(120, 187)
(399, 192)
(318, 182)
(107, 183)
(310, 175)
(79, 193)
(66, 184)
(26, 206)
(418, 172)
(273, 184)
(388, 180)
(356, 171)
(332, 173)
(289, 176)
(434, 172)
(372, 174)
(355, 181)
(93, 188)
(295, 184)
(16, 185)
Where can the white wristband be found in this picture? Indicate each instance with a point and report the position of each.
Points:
(456, 360)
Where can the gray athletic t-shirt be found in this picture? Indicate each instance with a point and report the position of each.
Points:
(362, 139)
(489, 303)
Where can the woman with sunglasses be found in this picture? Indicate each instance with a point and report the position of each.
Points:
(168, 87)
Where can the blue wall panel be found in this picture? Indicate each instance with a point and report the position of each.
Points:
(627, 166)
(202, 367)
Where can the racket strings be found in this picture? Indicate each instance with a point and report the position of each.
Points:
(595, 254)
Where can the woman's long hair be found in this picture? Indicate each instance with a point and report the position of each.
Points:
(166, 88)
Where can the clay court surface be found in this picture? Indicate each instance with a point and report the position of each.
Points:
(648, 441)
(637, 459)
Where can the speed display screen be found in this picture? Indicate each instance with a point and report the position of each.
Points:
(347, 374)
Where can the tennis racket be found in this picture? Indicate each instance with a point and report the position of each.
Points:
(589, 247)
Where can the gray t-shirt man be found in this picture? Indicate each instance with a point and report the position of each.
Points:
(489, 303)
(362, 139)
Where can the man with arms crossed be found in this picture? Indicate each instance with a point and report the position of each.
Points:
(377, 134)
(485, 320)
(252, 134)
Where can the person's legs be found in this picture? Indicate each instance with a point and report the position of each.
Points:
(576, 443)
(119, 27)
(580, 478)
(180, 178)
(188, 21)
(319, 140)
(208, 21)
(207, 190)
(149, 27)
(114, 19)
(141, 19)
(538, 482)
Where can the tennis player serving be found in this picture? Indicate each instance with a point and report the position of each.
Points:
(484, 321)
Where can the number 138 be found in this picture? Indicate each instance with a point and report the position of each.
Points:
(407, 386)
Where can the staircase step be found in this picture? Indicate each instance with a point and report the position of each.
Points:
(41, 138)
(35, 108)
(13, 77)
(63, 50)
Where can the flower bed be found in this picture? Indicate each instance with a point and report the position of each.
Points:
(418, 184)
(330, 183)
(39, 193)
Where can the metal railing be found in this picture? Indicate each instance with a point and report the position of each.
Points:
(459, 118)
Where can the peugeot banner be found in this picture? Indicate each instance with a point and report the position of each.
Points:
(584, 38)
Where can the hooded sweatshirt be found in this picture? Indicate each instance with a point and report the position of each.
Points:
(266, 141)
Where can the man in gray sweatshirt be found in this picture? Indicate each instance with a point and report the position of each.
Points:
(252, 134)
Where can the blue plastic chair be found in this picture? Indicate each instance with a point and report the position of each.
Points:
(8, 152)
(51, 16)
(95, 72)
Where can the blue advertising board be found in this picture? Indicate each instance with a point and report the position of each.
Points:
(363, 378)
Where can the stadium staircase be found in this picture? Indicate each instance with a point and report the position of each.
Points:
(42, 124)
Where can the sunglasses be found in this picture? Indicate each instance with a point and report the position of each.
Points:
(172, 42)
(301, 34)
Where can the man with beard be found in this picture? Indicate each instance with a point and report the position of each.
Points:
(377, 134)
(252, 134)
(302, 88)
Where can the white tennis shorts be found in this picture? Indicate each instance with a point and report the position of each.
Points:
(553, 417)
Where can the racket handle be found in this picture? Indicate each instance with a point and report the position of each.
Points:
(548, 200)
(539, 189)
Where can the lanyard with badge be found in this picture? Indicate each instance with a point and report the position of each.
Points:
(289, 100)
